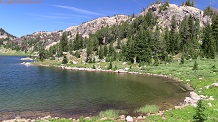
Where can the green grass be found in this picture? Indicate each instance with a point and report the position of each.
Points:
(9, 52)
(109, 114)
(148, 109)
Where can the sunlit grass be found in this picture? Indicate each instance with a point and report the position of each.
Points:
(109, 114)
(148, 109)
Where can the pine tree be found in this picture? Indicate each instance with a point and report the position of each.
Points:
(167, 40)
(182, 59)
(195, 67)
(65, 60)
(208, 45)
(101, 52)
(78, 42)
(110, 65)
(130, 51)
(59, 50)
(174, 41)
(88, 49)
(185, 36)
(199, 116)
(118, 43)
(111, 50)
(64, 42)
(143, 47)
(105, 50)
(215, 30)
(42, 54)
(208, 11)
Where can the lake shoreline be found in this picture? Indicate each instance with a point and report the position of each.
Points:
(182, 104)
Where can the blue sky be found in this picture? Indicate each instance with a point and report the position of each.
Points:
(52, 15)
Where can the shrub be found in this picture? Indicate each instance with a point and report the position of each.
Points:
(110, 66)
(77, 54)
(65, 61)
(93, 67)
(199, 116)
(195, 67)
(182, 60)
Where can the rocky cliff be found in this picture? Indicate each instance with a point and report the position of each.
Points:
(92, 26)
(165, 16)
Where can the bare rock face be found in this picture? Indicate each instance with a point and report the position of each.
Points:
(92, 26)
(165, 16)
(4, 34)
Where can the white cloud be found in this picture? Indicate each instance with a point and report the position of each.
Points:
(77, 10)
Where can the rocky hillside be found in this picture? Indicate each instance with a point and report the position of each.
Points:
(165, 16)
(5, 35)
(92, 26)
(84, 29)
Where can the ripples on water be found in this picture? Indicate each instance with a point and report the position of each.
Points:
(32, 88)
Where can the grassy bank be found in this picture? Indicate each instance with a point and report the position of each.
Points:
(205, 75)
(9, 52)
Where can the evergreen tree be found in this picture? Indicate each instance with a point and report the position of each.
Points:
(111, 50)
(105, 50)
(158, 46)
(185, 36)
(130, 51)
(199, 116)
(208, 11)
(60, 50)
(65, 61)
(174, 40)
(101, 52)
(42, 54)
(142, 47)
(167, 40)
(118, 43)
(215, 30)
(208, 45)
(195, 67)
(78, 42)
(64, 42)
(182, 59)
(95, 43)
(110, 65)
(70, 48)
(88, 49)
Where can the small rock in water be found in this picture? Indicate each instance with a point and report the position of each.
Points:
(129, 119)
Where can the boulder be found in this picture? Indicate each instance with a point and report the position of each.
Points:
(129, 119)
(194, 96)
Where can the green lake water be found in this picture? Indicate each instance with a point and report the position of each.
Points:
(36, 91)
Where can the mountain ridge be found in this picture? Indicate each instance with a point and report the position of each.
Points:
(163, 18)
